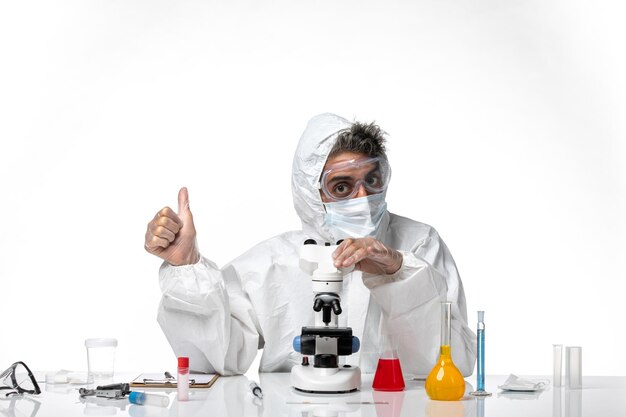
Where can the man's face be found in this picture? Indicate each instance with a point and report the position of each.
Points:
(348, 175)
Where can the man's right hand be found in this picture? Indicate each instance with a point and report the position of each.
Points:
(172, 236)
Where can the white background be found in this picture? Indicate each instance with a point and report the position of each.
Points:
(506, 133)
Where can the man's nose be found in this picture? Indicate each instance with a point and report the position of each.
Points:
(361, 191)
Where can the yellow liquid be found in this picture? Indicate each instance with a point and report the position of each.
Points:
(445, 382)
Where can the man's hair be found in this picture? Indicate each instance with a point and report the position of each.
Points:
(368, 139)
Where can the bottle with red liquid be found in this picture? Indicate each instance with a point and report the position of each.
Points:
(388, 375)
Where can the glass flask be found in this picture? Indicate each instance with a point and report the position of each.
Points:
(388, 375)
(445, 382)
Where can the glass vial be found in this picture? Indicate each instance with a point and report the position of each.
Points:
(182, 383)
(445, 382)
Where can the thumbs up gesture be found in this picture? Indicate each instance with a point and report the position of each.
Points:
(172, 236)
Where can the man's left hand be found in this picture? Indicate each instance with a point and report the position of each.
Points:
(368, 255)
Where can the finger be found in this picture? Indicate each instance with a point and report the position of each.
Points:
(348, 251)
(155, 242)
(342, 251)
(170, 214)
(347, 255)
(342, 246)
(357, 257)
(183, 200)
(166, 222)
(162, 232)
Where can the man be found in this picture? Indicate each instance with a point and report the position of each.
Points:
(403, 270)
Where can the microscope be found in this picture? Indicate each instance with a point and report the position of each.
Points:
(325, 341)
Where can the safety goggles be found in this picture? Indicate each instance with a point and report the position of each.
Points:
(19, 379)
(343, 180)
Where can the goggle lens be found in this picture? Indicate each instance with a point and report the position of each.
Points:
(343, 180)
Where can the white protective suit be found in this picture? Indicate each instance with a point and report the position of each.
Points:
(220, 317)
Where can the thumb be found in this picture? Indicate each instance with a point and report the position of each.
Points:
(183, 201)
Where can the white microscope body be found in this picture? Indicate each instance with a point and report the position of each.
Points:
(326, 341)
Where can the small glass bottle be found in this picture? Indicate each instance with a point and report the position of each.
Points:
(445, 382)
(182, 382)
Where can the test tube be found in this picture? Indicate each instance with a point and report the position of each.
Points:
(557, 364)
(182, 382)
(573, 366)
(142, 398)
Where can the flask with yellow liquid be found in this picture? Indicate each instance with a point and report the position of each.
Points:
(445, 382)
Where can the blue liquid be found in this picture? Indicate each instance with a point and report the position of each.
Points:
(480, 379)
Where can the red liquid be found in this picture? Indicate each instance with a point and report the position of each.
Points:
(388, 376)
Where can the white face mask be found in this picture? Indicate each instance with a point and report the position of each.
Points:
(357, 217)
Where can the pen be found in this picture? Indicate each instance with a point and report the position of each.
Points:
(256, 390)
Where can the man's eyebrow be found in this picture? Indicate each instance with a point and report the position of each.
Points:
(375, 169)
(341, 178)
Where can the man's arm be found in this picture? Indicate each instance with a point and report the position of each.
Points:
(201, 316)
(205, 319)
(409, 289)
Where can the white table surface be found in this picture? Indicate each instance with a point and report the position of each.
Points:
(230, 396)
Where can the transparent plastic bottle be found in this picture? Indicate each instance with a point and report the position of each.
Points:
(445, 382)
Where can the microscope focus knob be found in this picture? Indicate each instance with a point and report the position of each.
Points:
(356, 344)
(297, 344)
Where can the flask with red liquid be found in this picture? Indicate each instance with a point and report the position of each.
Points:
(388, 375)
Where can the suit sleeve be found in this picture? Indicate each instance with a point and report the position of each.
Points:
(410, 300)
(206, 316)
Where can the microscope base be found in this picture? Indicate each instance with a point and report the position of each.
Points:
(325, 380)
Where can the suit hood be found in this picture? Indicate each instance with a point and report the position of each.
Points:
(313, 148)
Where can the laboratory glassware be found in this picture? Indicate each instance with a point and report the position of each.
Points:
(557, 364)
(573, 366)
(480, 365)
(388, 375)
(182, 383)
(100, 357)
(445, 382)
